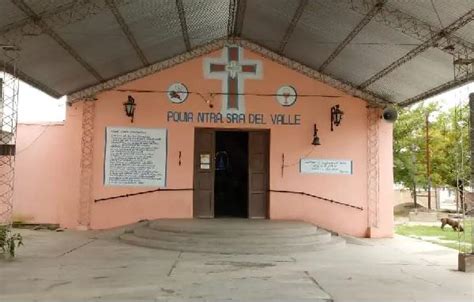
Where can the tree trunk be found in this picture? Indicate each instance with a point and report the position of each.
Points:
(414, 194)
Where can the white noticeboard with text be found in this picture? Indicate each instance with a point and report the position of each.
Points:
(325, 166)
(135, 157)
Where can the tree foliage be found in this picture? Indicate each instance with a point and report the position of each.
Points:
(448, 146)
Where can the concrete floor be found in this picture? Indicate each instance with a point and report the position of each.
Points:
(95, 266)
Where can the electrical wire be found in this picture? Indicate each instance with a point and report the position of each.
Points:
(229, 93)
(45, 127)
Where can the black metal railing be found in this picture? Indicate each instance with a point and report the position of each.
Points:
(318, 197)
(192, 189)
(143, 192)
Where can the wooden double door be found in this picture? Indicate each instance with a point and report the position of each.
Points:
(231, 173)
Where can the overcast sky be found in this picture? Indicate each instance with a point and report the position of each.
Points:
(454, 97)
(37, 107)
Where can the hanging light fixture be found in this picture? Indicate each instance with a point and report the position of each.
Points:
(129, 107)
(315, 136)
(336, 116)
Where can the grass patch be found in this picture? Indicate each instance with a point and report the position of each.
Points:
(447, 237)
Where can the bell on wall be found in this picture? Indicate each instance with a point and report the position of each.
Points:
(315, 137)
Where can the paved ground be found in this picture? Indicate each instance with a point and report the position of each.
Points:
(92, 266)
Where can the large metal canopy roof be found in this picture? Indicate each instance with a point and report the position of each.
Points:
(396, 51)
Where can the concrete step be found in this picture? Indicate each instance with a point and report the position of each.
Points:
(318, 236)
(235, 248)
(234, 226)
(232, 236)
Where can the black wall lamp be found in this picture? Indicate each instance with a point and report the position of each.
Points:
(315, 137)
(129, 107)
(336, 116)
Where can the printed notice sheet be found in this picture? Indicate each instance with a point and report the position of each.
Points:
(135, 157)
(325, 166)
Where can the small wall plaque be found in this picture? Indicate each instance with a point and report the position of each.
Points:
(286, 95)
(205, 161)
(177, 93)
(325, 166)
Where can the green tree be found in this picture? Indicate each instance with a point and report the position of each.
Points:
(448, 146)
(451, 146)
(410, 147)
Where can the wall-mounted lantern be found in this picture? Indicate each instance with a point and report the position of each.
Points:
(315, 136)
(336, 116)
(129, 107)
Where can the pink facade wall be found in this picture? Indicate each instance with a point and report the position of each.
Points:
(56, 154)
(47, 171)
(386, 193)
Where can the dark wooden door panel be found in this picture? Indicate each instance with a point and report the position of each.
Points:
(259, 144)
(258, 205)
(203, 203)
(257, 162)
(259, 182)
(205, 182)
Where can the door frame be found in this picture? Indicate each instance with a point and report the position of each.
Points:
(195, 169)
(267, 180)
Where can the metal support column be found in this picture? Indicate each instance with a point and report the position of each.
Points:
(466, 242)
(470, 200)
(9, 86)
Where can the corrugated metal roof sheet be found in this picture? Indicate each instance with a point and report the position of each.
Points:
(89, 37)
(90, 29)
(9, 14)
(42, 59)
(424, 72)
(266, 21)
(311, 42)
(156, 28)
(372, 49)
(206, 20)
(427, 10)
(467, 33)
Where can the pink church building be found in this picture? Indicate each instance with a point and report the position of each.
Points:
(230, 130)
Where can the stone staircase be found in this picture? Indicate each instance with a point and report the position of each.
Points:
(232, 236)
